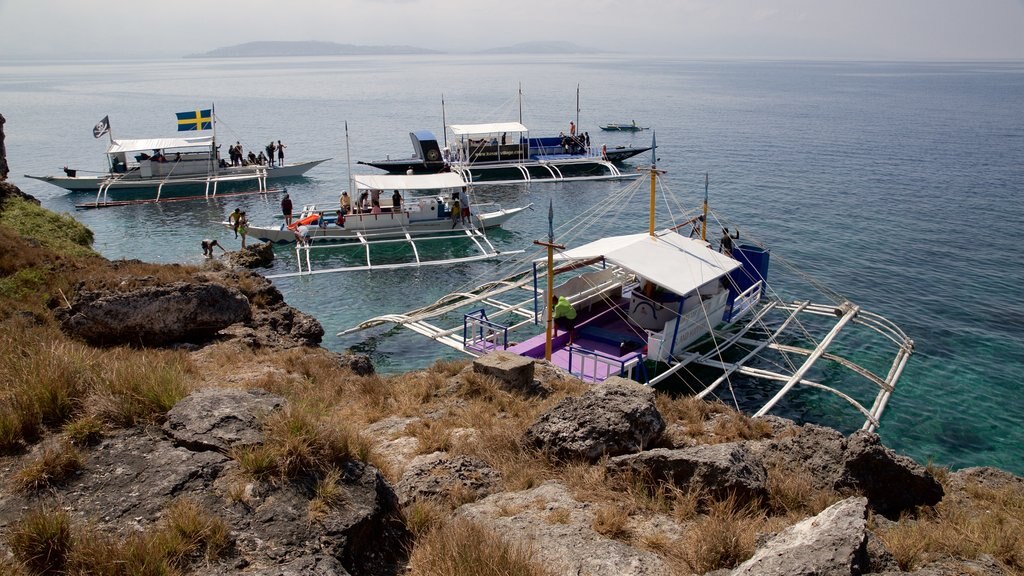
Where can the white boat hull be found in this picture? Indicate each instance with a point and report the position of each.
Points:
(379, 226)
(135, 182)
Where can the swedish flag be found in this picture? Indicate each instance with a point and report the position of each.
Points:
(195, 120)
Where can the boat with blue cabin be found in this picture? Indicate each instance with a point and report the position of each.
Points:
(664, 306)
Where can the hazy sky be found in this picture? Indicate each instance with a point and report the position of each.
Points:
(855, 29)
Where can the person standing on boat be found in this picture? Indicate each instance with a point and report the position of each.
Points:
(396, 202)
(208, 245)
(345, 202)
(280, 153)
(270, 152)
(726, 243)
(456, 210)
(464, 204)
(564, 315)
(572, 129)
(364, 201)
(286, 209)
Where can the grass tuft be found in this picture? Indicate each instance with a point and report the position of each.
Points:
(464, 548)
(53, 466)
(41, 540)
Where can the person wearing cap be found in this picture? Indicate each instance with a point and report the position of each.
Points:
(346, 202)
(286, 209)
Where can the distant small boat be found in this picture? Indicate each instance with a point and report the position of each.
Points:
(624, 127)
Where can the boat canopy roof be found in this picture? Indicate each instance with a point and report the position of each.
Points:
(408, 181)
(668, 259)
(148, 144)
(494, 128)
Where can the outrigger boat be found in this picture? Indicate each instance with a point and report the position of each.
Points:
(504, 152)
(419, 218)
(623, 127)
(150, 165)
(658, 305)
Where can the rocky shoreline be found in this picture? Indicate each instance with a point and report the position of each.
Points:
(306, 462)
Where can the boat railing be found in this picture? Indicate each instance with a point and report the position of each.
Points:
(744, 302)
(595, 366)
(481, 335)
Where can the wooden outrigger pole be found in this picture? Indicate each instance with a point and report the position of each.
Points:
(551, 246)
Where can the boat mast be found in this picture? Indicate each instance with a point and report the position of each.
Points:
(654, 179)
(578, 130)
(444, 123)
(704, 220)
(550, 244)
(348, 161)
(213, 122)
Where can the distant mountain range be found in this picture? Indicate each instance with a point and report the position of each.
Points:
(264, 49)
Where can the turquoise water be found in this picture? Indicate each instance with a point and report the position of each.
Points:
(895, 184)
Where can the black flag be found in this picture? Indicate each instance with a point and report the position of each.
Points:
(101, 127)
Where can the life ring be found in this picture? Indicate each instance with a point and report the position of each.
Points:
(433, 155)
(303, 221)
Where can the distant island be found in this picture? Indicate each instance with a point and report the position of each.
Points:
(267, 48)
(283, 48)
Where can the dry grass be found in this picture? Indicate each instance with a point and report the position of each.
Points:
(612, 520)
(41, 540)
(85, 431)
(44, 541)
(793, 493)
(423, 515)
(55, 463)
(723, 538)
(985, 521)
(464, 548)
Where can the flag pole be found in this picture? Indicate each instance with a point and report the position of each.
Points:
(213, 121)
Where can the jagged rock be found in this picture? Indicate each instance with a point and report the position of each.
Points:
(892, 483)
(359, 364)
(439, 475)
(559, 530)
(253, 256)
(617, 416)
(364, 532)
(153, 315)
(514, 371)
(717, 469)
(985, 476)
(818, 451)
(4, 169)
(278, 327)
(130, 477)
(220, 418)
(8, 190)
(314, 565)
(831, 543)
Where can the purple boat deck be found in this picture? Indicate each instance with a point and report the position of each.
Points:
(603, 329)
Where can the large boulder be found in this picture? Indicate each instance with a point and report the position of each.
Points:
(892, 483)
(515, 372)
(153, 315)
(617, 416)
(718, 470)
(439, 475)
(253, 256)
(220, 418)
(832, 543)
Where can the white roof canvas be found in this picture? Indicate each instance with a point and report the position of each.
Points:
(494, 128)
(148, 144)
(668, 259)
(408, 182)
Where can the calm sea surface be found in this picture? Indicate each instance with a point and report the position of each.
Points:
(897, 185)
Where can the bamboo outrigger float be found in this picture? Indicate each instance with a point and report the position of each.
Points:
(656, 306)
